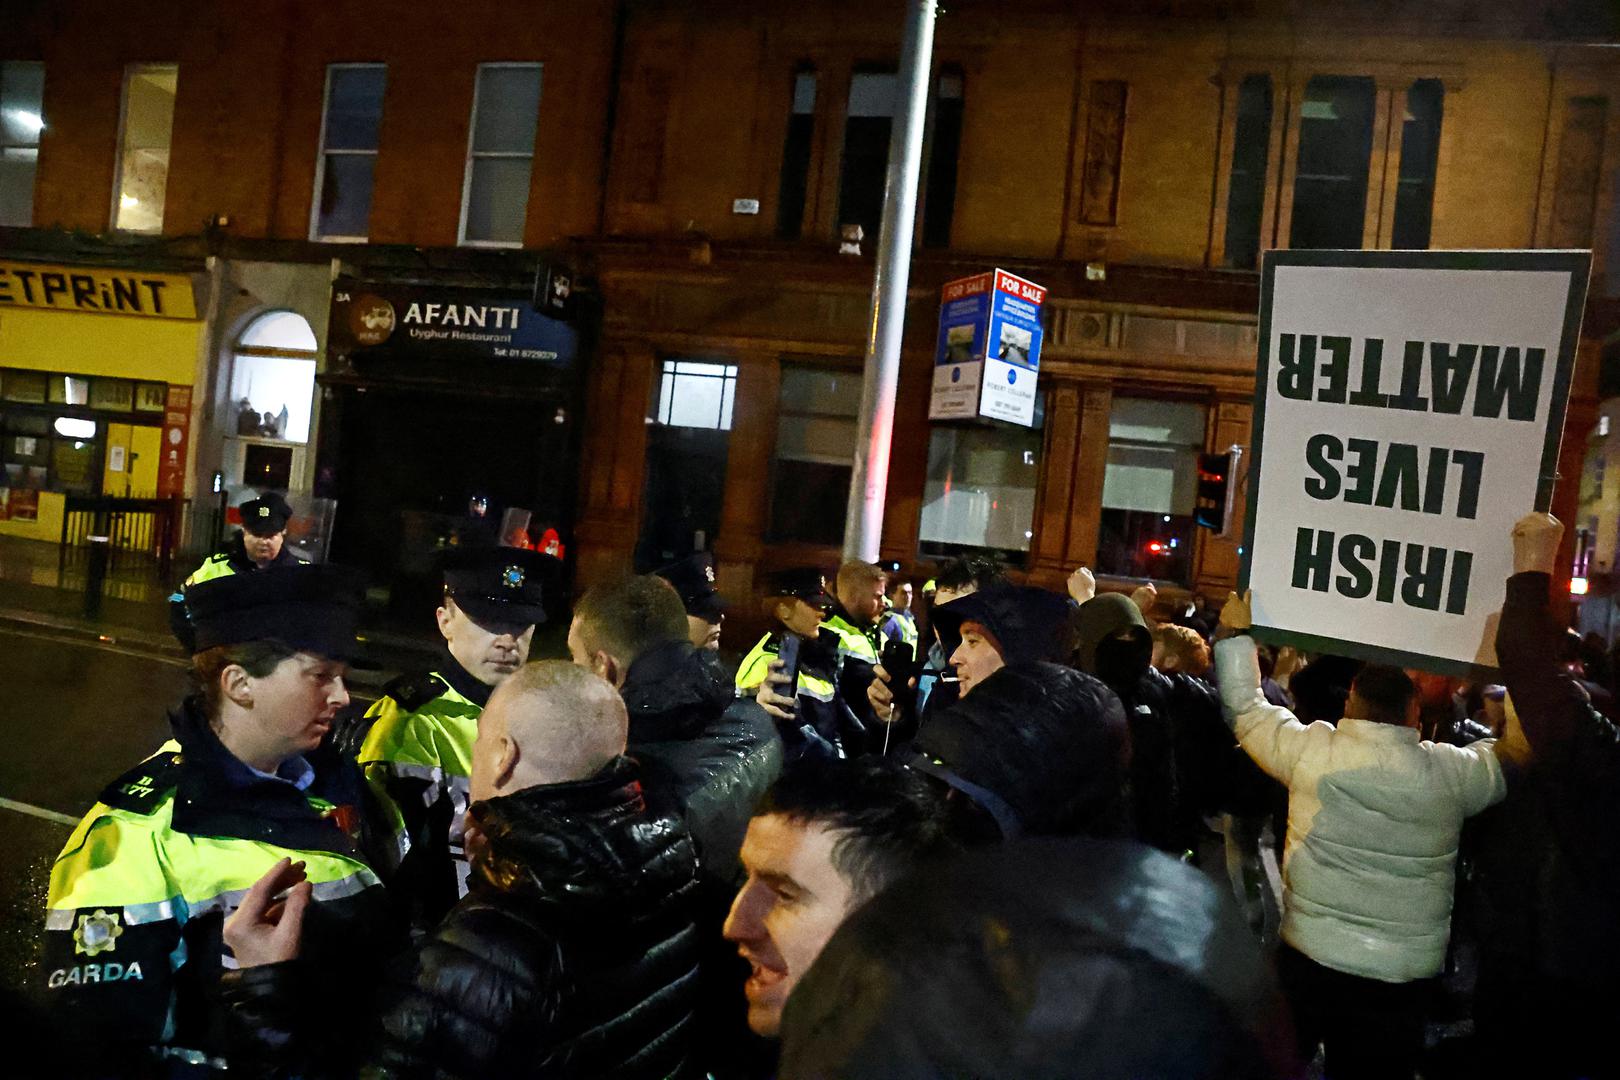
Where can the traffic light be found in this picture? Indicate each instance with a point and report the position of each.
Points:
(1214, 484)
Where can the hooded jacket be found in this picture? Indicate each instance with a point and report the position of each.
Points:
(1028, 623)
(703, 750)
(1048, 741)
(1184, 760)
(573, 956)
(1040, 960)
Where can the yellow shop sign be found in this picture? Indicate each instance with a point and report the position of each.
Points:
(99, 289)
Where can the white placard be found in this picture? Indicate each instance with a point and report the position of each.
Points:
(1408, 410)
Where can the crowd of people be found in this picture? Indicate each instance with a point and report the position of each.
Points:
(1011, 833)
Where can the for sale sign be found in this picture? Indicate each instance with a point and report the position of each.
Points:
(1408, 410)
(989, 351)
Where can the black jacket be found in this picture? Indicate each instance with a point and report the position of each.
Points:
(704, 751)
(1040, 960)
(574, 955)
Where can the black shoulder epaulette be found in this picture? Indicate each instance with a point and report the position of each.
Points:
(414, 691)
(142, 789)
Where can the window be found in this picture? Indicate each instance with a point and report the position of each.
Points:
(1580, 172)
(1246, 192)
(874, 96)
(944, 147)
(273, 377)
(344, 173)
(1150, 484)
(41, 451)
(815, 453)
(796, 152)
(688, 439)
(1335, 143)
(500, 154)
(1420, 152)
(143, 147)
(22, 118)
(980, 491)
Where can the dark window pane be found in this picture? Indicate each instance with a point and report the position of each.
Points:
(1335, 141)
(354, 105)
(1420, 150)
(508, 106)
(346, 194)
(497, 199)
(1138, 544)
(872, 97)
(683, 492)
(796, 150)
(944, 147)
(808, 502)
(1246, 192)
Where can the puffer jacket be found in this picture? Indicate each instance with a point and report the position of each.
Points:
(704, 751)
(573, 956)
(1374, 816)
(1040, 960)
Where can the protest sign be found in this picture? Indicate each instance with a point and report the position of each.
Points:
(1408, 410)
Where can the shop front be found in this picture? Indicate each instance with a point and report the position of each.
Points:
(449, 414)
(97, 368)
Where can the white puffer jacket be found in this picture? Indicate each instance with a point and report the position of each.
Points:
(1373, 820)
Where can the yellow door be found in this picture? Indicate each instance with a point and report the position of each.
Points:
(115, 471)
(145, 448)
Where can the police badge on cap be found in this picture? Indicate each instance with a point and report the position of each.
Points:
(266, 515)
(693, 579)
(500, 584)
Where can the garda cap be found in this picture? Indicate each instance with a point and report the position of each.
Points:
(805, 582)
(313, 608)
(266, 515)
(500, 584)
(693, 579)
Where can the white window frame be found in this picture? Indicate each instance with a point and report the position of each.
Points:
(322, 152)
(472, 134)
(130, 70)
(33, 192)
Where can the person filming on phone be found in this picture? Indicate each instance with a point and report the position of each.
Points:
(793, 671)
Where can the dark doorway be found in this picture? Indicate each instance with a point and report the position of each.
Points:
(411, 462)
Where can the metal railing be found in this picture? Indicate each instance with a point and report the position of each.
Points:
(148, 530)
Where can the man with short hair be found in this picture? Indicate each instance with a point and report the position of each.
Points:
(705, 751)
(1369, 869)
(419, 742)
(576, 954)
(900, 622)
(828, 836)
(716, 754)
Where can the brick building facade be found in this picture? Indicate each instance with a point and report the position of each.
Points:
(695, 164)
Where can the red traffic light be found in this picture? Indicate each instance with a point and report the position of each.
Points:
(1156, 548)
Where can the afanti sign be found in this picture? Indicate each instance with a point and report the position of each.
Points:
(989, 349)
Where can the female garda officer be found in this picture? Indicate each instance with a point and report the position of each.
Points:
(133, 950)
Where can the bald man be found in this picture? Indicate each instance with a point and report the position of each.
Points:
(575, 943)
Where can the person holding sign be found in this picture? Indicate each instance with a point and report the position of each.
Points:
(1547, 861)
(1374, 816)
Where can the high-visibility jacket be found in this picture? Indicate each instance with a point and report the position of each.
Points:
(418, 752)
(823, 721)
(900, 626)
(139, 895)
(231, 559)
(858, 653)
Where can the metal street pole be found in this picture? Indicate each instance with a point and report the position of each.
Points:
(868, 485)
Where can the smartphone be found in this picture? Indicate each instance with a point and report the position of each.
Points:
(788, 653)
(900, 663)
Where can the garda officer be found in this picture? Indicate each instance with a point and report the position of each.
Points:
(419, 745)
(693, 579)
(138, 897)
(854, 618)
(260, 545)
(898, 622)
(815, 721)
